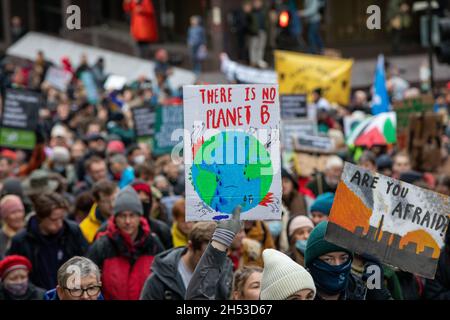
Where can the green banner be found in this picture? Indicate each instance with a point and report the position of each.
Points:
(16, 138)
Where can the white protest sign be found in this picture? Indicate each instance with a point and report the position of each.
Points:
(58, 78)
(232, 151)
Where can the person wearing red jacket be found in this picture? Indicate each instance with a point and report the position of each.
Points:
(143, 27)
(125, 251)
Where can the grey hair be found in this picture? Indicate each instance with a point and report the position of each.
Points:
(119, 158)
(77, 266)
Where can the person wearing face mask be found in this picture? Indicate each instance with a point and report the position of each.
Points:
(15, 284)
(330, 266)
(299, 229)
(327, 181)
(135, 155)
(161, 229)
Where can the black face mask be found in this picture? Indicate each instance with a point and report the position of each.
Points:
(147, 208)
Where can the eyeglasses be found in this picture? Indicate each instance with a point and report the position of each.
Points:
(79, 292)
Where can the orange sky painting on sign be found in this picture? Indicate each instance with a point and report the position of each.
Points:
(348, 210)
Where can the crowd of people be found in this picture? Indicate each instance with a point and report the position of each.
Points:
(93, 198)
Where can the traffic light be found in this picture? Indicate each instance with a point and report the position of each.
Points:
(443, 49)
(283, 19)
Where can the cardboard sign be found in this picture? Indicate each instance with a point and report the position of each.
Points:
(306, 164)
(232, 152)
(293, 106)
(399, 223)
(168, 119)
(292, 128)
(58, 78)
(314, 143)
(424, 141)
(19, 119)
(144, 121)
(404, 109)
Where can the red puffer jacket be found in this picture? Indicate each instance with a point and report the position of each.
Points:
(125, 266)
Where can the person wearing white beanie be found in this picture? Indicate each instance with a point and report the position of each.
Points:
(284, 279)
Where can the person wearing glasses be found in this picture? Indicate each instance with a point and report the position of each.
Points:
(126, 249)
(78, 279)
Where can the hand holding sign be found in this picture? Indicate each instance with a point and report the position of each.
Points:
(226, 230)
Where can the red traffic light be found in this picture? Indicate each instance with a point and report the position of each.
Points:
(283, 19)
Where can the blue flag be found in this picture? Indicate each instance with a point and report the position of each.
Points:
(380, 100)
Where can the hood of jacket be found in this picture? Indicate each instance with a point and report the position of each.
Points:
(165, 267)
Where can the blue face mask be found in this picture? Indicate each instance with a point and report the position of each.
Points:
(275, 228)
(301, 245)
(330, 279)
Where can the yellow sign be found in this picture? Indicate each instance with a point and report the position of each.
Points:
(303, 73)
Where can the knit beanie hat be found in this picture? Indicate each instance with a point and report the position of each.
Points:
(10, 204)
(318, 246)
(299, 222)
(13, 262)
(282, 277)
(323, 203)
(128, 200)
(115, 146)
(139, 185)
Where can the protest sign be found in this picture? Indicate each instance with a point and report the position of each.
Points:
(115, 82)
(168, 119)
(144, 121)
(293, 106)
(306, 164)
(303, 73)
(244, 74)
(424, 141)
(19, 119)
(232, 152)
(292, 128)
(399, 223)
(58, 78)
(314, 143)
(404, 109)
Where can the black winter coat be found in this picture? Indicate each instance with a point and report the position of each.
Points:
(33, 293)
(33, 245)
(439, 287)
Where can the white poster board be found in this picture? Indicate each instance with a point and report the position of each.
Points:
(232, 152)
